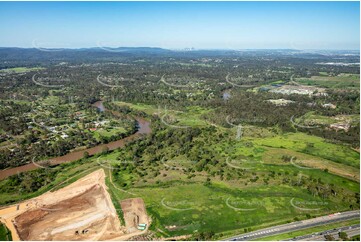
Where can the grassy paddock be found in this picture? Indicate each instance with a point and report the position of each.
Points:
(340, 81)
(185, 208)
(312, 145)
(21, 69)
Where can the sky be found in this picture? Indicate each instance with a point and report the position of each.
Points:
(178, 25)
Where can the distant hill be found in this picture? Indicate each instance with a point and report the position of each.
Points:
(10, 57)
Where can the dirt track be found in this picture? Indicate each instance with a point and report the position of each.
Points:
(80, 211)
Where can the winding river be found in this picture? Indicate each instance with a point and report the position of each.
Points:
(144, 128)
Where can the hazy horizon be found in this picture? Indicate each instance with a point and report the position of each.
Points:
(175, 49)
(180, 25)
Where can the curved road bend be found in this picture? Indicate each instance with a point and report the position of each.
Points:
(294, 226)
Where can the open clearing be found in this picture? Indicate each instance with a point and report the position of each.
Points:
(340, 81)
(134, 213)
(21, 69)
(80, 211)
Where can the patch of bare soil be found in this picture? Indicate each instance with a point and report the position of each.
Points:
(134, 213)
(80, 211)
(83, 217)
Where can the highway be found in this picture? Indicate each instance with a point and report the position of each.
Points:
(320, 236)
(294, 226)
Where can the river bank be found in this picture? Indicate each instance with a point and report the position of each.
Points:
(144, 128)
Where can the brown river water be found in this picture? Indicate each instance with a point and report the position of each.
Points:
(144, 128)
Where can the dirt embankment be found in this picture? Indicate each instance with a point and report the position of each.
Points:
(81, 211)
(134, 213)
(84, 217)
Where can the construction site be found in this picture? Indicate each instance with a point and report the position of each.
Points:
(82, 210)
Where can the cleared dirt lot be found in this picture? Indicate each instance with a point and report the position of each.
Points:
(81, 211)
(87, 216)
(134, 213)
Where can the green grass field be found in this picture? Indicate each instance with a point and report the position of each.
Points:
(191, 117)
(340, 81)
(51, 101)
(274, 156)
(148, 109)
(21, 69)
(314, 119)
(185, 208)
(312, 145)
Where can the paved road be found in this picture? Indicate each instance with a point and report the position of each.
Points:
(320, 236)
(285, 228)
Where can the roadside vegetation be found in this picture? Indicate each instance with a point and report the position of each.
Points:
(5, 234)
